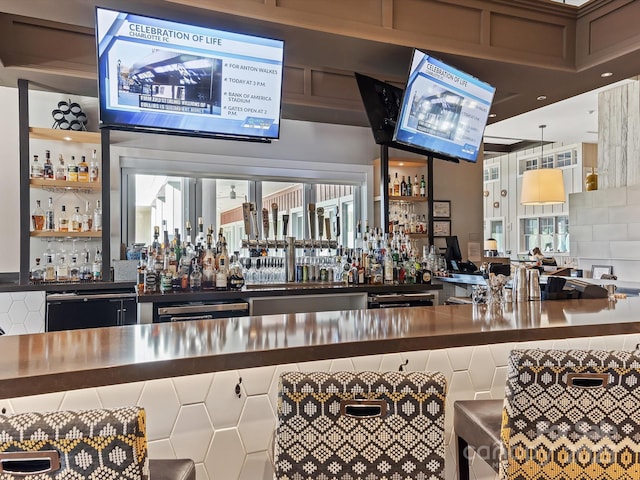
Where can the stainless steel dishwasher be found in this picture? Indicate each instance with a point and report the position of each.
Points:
(200, 311)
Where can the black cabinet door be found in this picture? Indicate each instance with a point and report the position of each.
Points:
(71, 315)
(129, 312)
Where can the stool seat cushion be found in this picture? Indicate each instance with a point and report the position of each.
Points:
(169, 469)
(478, 422)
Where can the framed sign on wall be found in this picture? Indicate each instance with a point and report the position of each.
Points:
(441, 209)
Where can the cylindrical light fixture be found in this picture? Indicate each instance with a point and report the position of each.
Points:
(491, 244)
(544, 186)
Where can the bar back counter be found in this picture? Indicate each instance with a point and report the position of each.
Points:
(209, 387)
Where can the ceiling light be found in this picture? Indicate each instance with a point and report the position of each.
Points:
(606, 74)
(542, 186)
(492, 115)
(68, 139)
(541, 97)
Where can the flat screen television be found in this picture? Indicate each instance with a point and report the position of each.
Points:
(444, 110)
(382, 103)
(166, 77)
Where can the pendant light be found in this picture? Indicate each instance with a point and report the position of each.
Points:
(543, 186)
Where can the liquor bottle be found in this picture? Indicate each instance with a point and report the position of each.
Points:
(200, 239)
(361, 271)
(222, 275)
(209, 266)
(195, 278)
(166, 277)
(358, 241)
(72, 170)
(74, 269)
(388, 267)
(403, 187)
(87, 218)
(423, 187)
(49, 267)
(409, 192)
(83, 170)
(236, 278)
(76, 220)
(396, 186)
(96, 267)
(150, 277)
(61, 169)
(37, 171)
(416, 186)
(141, 270)
(63, 220)
(94, 169)
(37, 272)
(37, 217)
(48, 166)
(96, 225)
(85, 266)
(62, 268)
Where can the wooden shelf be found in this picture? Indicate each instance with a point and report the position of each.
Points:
(47, 234)
(408, 199)
(64, 135)
(64, 185)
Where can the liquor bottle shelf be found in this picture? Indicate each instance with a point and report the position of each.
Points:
(64, 135)
(48, 234)
(63, 185)
(407, 199)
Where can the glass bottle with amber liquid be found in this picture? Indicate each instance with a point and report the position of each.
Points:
(37, 217)
(72, 170)
(63, 220)
(48, 166)
(83, 170)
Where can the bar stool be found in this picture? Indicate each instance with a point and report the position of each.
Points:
(170, 469)
(477, 426)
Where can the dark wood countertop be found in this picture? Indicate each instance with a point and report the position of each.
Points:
(58, 361)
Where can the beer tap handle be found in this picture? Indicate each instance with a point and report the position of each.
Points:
(285, 225)
(337, 222)
(265, 223)
(312, 220)
(320, 213)
(327, 228)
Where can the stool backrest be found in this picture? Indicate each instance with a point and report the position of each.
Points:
(100, 443)
(571, 414)
(360, 425)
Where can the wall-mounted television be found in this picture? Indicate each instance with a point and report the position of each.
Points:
(444, 110)
(382, 102)
(166, 77)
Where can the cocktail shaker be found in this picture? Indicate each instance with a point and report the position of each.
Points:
(534, 284)
(521, 284)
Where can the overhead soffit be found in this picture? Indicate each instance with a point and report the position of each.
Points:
(523, 47)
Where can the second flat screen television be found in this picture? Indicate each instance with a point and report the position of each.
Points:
(163, 76)
(444, 110)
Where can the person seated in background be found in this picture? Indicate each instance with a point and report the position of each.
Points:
(536, 256)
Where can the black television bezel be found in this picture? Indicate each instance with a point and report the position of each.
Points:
(127, 127)
(373, 106)
(437, 153)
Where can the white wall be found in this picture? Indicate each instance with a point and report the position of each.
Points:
(9, 181)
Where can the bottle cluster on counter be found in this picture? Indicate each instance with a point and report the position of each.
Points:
(63, 266)
(176, 265)
(47, 220)
(69, 172)
(404, 188)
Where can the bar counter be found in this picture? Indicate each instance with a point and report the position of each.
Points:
(74, 359)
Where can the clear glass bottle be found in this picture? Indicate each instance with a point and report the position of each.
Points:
(209, 267)
(96, 268)
(87, 218)
(94, 169)
(37, 217)
(62, 268)
(37, 170)
(74, 269)
(72, 170)
(61, 169)
(49, 267)
(222, 275)
(396, 186)
(63, 220)
(85, 265)
(195, 277)
(236, 277)
(96, 225)
(83, 170)
(76, 220)
(416, 186)
(166, 277)
(37, 272)
(48, 166)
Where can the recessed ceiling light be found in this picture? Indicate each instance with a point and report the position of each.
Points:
(541, 97)
(401, 164)
(606, 74)
(68, 139)
(492, 115)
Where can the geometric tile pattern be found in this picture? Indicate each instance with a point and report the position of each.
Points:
(233, 423)
(571, 414)
(22, 312)
(360, 425)
(84, 444)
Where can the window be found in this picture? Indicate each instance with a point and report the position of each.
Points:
(547, 162)
(551, 234)
(528, 164)
(492, 173)
(566, 159)
(496, 231)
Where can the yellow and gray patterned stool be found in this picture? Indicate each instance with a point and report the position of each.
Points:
(571, 414)
(360, 425)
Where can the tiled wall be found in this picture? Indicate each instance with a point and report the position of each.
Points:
(605, 230)
(22, 312)
(231, 437)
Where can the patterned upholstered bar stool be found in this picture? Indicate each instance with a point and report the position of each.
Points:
(566, 414)
(360, 425)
